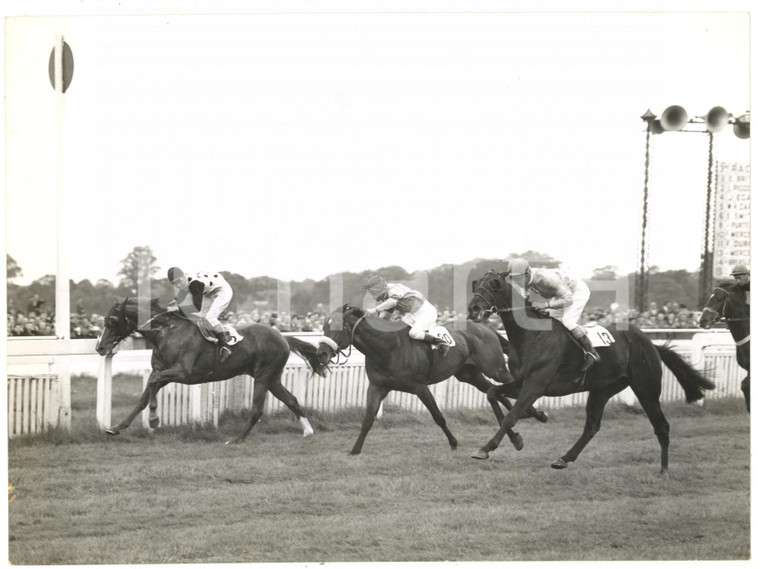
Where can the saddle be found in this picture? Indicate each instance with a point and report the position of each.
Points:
(442, 333)
(210, 336)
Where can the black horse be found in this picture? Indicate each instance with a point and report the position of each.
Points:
(729, 303)
(547, 362)
(182, 355)
(394, 361)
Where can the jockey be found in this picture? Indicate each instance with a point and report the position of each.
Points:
(741, 276)
(567, 296)
(210, 294)
(417, 311)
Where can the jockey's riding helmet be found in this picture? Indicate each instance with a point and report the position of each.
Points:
(174, 273)
(518, 267)
(376, 286)
(739, 270)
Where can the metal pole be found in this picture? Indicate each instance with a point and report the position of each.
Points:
(62, 298)
(642, 278)
(706, 269)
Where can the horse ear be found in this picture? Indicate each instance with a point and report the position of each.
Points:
(474, 286)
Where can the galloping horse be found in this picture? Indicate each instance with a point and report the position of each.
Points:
(547, 362)
(182, 355)
(729, 303)
(396, 362)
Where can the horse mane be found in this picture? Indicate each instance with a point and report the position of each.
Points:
(158, 313)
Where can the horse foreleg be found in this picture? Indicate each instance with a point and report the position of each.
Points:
(148, 397)
(746, 390)
(527, 397)
(375, 396)
(423, 392)
(290, 401)
(259, 399)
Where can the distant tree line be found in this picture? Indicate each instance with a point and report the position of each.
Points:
(262, 292)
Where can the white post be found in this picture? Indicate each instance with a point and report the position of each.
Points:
(62, 300)
(103, 397)
(64, 386)
(196, 415)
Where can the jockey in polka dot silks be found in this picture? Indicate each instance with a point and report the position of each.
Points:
(210, 295)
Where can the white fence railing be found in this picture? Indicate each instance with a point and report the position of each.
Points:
(35, 403)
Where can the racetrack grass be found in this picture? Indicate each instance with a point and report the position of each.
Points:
(180, 495)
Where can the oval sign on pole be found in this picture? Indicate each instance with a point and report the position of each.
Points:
(68, 66)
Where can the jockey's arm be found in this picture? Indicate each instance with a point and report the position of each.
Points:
(563, 299)
(387, 305)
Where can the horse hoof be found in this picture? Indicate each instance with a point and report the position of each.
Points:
(113, 431)
(559, 464)
(664, 474)
(517, 441)
(153, 423)
(480, 455)
(542, 416)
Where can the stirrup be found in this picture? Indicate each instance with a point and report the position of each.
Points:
(224, 353)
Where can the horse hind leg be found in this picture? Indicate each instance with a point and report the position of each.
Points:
(423, 392)
(746, 390)
(290, 401)
(595, 404)
(259, 399)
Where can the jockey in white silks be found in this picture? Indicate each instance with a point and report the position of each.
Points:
(210, 295)
(566, 298)
(417, 312)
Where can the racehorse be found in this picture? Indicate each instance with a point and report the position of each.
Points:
(182, 355)
(729, 302)
(547, 361)
(394, 361)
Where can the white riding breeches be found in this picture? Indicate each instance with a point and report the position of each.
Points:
(572, 314)
(214, 304)
(421, 321)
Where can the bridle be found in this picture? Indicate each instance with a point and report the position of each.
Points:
(722, 313)
(341, 351)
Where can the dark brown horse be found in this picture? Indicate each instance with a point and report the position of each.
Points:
(394, 361)
(182, 355)
(547, 362)
(729, 303)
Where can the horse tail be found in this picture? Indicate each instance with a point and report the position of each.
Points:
(692, 381)
(310, 354)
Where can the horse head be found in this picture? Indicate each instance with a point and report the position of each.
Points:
(491, 293)
(339, 326)
(714, 308)
(117, 326)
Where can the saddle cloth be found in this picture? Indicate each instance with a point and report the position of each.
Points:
(443, 334)
(600, 337)
(210, 335)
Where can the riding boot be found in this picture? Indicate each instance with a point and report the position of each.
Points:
(443, 347)
(224, 348)
(591, 355)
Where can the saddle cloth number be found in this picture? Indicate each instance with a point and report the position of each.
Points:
(600, 337)
(443, 334)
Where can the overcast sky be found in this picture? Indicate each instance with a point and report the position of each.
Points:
(298, 145)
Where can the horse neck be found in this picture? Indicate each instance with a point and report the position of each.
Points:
(378, 344)
(739, 329)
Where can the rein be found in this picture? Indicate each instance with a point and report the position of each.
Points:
(492, 303)
(341, 352)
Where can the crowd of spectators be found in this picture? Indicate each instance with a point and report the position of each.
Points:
(38, 321)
